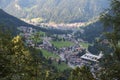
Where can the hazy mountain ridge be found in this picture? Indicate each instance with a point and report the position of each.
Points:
(55, 10)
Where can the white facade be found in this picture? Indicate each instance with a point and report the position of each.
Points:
(91, 57)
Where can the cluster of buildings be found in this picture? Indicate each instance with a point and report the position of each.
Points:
(26, 33)
(62, 25)
(79, 56)
(75, 55)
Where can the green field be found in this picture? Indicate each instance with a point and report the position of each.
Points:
(47, 54)
(84, 44)
(42, 34)
(61, 67)
(60, 44)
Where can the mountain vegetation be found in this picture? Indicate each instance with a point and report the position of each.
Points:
(58, 11)
(94, 30)
(111, 63)
(9, 20)
(20, 62)
(12, 23)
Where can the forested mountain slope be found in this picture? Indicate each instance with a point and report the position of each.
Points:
(11, 23)
(9, 20)
(55, 10)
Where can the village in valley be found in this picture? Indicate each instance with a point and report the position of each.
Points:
(70, 51)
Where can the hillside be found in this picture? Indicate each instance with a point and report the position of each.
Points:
(90, 32)
(9, 20)
(12, 22)
(55, 10)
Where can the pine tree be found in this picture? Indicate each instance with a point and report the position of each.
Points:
(14, 58)
(111, 64)
(111, 20)
(82, 73)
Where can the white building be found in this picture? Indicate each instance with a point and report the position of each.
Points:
(91, 57)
